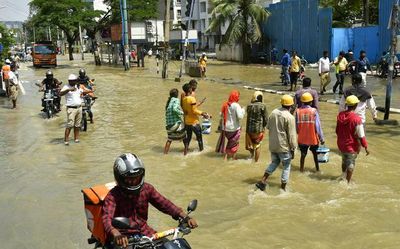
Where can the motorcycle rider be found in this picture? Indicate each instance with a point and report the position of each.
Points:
(85, 82)
(51, 83)
(131, 198)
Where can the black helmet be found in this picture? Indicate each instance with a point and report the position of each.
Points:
(129, 165)
(49, 74)
(82, 73)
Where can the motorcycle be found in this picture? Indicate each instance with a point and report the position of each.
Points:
(351, 67)
(51, 101)
(158, 240)
(86, 110)
(382, 69)
(49, 106)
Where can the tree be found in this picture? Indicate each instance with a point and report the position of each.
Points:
(6, 40)
(138, 10)
(347, 13)
(244, 17)
(67, 15)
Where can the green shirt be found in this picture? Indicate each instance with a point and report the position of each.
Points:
(174, 112)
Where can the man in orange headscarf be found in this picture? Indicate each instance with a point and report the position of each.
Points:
(231, 114)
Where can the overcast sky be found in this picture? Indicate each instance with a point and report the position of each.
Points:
(14, 10)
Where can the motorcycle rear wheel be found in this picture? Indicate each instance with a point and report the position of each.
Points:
(84, 122)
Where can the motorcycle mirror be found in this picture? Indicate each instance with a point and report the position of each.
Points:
(120, 223)
(192, 206)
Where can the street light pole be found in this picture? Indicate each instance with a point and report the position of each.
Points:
(394, 26)
(125, 39)
(186, 38)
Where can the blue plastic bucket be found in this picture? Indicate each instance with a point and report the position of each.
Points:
(323, 154)
(206, 126)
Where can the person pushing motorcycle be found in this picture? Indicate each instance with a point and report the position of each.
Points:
(51, 83)
(131, 198)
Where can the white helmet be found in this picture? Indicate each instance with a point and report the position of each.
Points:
(72, 77)
(8, 61)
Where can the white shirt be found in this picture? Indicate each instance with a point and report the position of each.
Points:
(72, 98)
(361, 108)
(235, 114)
(324, 65)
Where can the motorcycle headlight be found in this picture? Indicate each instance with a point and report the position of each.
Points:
(48, 95)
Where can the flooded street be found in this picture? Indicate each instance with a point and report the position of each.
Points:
(41, 179)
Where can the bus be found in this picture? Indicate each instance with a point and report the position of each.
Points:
(44, 54)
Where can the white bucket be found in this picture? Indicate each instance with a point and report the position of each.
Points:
(323, 154)
(206, 126)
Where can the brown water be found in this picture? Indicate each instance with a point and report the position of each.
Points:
(40, 180)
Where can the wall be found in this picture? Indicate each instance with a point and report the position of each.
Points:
(357, 39)
(229, 53)
(299, 25)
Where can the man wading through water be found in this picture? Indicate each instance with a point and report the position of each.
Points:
(282, 141)
(350, 134)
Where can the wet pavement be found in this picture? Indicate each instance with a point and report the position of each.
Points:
(40, 178)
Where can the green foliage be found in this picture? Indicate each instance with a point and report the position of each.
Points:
(6, 40)
(346, 12)
(138, 10)
(66, 14)
(244, 18)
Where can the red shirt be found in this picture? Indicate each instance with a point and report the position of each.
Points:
(135, 207)
(350, 132)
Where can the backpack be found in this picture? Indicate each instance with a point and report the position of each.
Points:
(93, 201)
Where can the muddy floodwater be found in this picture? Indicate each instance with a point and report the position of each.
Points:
(41, 204)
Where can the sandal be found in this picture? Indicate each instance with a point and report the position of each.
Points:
(261, 186)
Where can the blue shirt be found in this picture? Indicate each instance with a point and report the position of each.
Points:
(285, 61)
(363, 65)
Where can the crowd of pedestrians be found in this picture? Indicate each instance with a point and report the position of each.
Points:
(294, 125)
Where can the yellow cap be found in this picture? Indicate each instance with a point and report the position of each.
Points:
(306, 97)
(352, 100)
(287, 100)
(255, 95)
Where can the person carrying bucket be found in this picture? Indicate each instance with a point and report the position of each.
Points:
(309, 130)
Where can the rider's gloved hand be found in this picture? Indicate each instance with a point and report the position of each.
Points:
(119, 239)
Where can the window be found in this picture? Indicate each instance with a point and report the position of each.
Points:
(178, 13)
(202, 7)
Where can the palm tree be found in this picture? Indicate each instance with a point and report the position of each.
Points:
(244, 18)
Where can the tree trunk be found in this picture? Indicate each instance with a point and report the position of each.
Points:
(70, 50)
(366, 12)
(164, 73)
(246, 50)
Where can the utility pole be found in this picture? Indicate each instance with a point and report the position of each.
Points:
(186, 38)
(125, 40)
(394, 26)
(157, 52)
(166, 39)
(81, 41)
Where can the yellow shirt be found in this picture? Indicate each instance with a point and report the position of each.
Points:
(203, 61)
(341, 65)
(296, 64)
(191, 113)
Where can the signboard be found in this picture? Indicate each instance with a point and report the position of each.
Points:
(179, 36)
(138, 31)
(116, 32)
